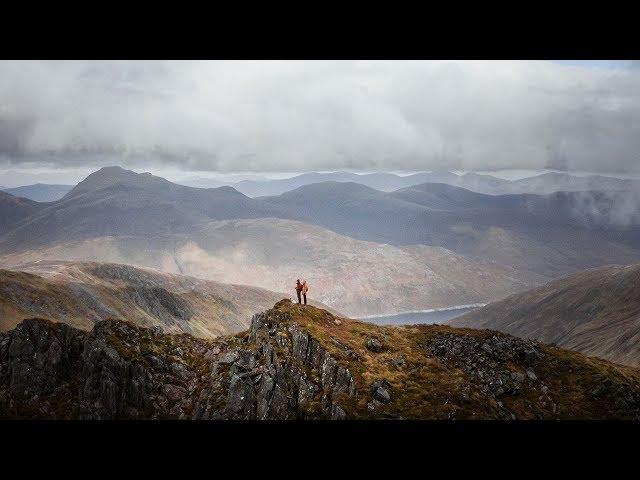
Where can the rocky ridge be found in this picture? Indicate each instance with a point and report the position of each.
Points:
(298, 362)
(121, 371)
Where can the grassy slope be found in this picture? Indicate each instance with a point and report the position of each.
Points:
(595, 311)
(215, 309)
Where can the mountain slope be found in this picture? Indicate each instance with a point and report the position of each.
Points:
(303, 363)
(547, 235)
(594, 311)
(81, 294)
(40, 192)
(14, 209)
(352, 276)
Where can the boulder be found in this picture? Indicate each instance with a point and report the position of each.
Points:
(374, 345)
(379, 391)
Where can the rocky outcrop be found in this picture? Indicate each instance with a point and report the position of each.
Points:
(120, 371)
(301, 362)
(502, 366)
(38, 365)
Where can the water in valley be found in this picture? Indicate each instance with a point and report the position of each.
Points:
(436, 315)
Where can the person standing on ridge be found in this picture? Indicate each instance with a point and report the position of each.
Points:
(305, 289)
(299, 290)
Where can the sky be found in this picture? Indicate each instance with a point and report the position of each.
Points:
(60, 120)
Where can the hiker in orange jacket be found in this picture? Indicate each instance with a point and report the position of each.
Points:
(299, 290)
(305, 289)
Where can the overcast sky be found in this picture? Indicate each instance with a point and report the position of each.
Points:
(68, 118)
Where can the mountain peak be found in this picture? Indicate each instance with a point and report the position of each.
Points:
(108, 176)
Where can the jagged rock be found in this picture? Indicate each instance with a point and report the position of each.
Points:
(241, 399)
(228, 357)
(531, 375)
(246, 360)
(173, 393)
(379, 391)
(280, 370)
(337, 413)
(374, 345)
(487, 348)
(180, 371)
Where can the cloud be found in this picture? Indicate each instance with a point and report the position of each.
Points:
(293, 116)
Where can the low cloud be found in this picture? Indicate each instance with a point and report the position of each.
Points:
(294, 116)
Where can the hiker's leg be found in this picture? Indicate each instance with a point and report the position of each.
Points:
(305, 298)
(299, 299)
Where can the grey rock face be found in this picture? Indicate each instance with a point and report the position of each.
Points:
(374, 345)
(39, 358)
(228, 357)
(111, 385)
(379, 391)
(121, 371)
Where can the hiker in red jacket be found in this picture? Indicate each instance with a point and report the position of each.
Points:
(305, 289)
(299, 290)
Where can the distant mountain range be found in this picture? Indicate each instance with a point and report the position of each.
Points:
(595, 311)
(364, 251)
(482, 183)
(549, 235)
(40, 192)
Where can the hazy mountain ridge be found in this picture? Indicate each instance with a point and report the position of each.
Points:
(114, 201)
(40, 192)
(303, 363)
(546, 235)
(544, 183)
(15, 209)
(595, 311)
